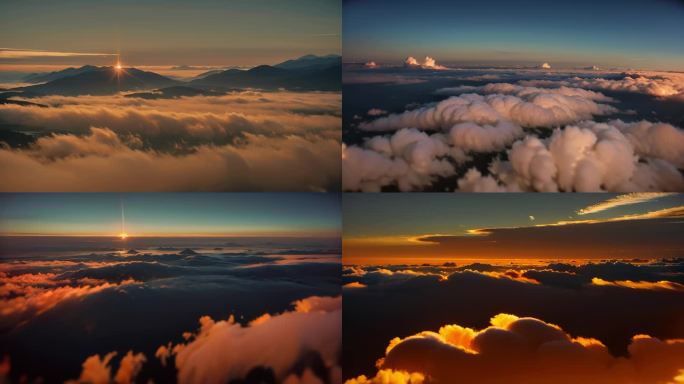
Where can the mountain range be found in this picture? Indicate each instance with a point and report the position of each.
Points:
(307, 73)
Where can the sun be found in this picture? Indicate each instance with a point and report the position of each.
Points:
(118, 67)
(123, 236)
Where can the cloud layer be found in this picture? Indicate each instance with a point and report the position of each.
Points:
(530, 131)
(242, 141)
(528, 350)
(659, 84)
(105, 300)
(605, 341)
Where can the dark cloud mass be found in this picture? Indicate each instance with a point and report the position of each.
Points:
(499, 323)
(95, 316)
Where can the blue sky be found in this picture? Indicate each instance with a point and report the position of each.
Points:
(377, 215)
(628, 33)
(297, 214)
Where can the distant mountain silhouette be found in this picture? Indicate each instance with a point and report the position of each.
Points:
(174, 92)
(207, 73)
(311, 62)
(102, 81)
(306, 73)
(45, 77)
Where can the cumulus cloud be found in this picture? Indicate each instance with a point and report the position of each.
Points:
(525, 91)
(656, 140)
(97, 370)
(409, 159)
(584, 158)
(428, 63)
(622, 200)
(225, 350)
(544, 109)
(473, 123)
(472, 137)
(505, 351)
(580, 155)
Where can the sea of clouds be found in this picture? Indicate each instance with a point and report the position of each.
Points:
(285, 141)
(553, 133)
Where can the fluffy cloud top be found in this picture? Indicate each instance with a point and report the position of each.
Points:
(428, 63)
(409, 159)
(582, 156)
(225, 350)
(525, 350)
(536, 109)
(593, 157)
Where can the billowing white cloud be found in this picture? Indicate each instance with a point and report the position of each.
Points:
(656, 140)
(409, 159)
(472, 137)
(428, 63)
(523, 91)
(588, 157)
(542, 109)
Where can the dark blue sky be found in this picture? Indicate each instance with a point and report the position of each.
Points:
(627, 33)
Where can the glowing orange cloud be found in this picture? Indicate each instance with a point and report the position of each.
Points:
(652, 285)
(26, 295)
(620, 200)
(355, 284)
(221, 351)
(506, 351)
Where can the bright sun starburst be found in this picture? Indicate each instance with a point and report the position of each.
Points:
(123, 236)
(118, 66)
